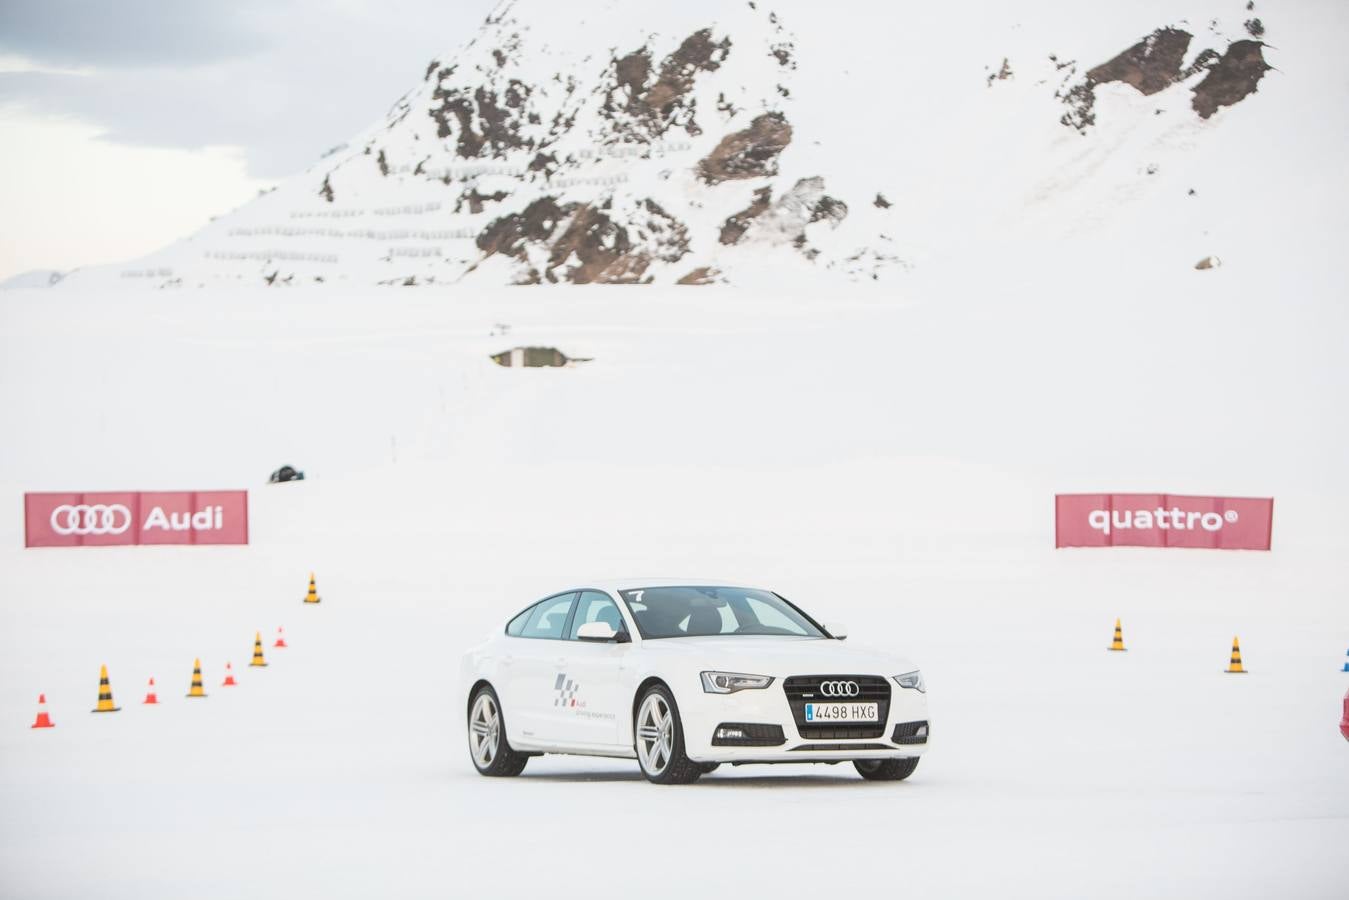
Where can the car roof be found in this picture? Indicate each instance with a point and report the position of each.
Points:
(627, 584)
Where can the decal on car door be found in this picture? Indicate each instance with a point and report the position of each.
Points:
(566, 692)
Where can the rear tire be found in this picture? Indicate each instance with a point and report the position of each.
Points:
(491, 753)
(658, 738)
(885, 769)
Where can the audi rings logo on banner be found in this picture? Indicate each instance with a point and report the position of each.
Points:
(97, 518)
(840, 688)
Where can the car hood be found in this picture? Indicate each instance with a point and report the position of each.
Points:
(780, 656)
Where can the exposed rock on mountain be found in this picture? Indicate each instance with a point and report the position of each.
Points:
(644, 112)
(752, 153)
(1158, 61)
(1232, 78)
(734, 228)
(586, 244)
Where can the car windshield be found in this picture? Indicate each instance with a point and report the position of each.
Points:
(669, 612)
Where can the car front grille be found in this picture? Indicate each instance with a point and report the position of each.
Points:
(803, 689)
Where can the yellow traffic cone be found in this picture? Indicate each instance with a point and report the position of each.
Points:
(104, 693)
(257, 651)
(1234, 667)
(1118, 643)
(313, 595)
(197, 690)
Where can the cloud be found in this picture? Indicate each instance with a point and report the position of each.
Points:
(72, 200)
(134, 33)
(281, 81)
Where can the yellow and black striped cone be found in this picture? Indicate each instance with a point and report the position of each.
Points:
(257, 651)
(313, 595)
(1234, 667)
(105, 703)
(197, 690)
(1118, 643)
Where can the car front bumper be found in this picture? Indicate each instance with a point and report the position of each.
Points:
(702, 713)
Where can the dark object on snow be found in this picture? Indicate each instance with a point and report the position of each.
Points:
(285, 473)
(534, 357)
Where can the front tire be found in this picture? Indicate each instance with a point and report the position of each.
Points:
(487, 745)
(658, 737)
(885, 769)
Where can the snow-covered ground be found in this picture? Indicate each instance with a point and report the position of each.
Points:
(886, 459)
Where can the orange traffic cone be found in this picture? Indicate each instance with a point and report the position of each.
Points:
(151, 698)
(313, 595)
(258, 660)
(43, 720)
(1234, 667)
(1118, 643)
(105, 703)
(196, 690)
(229, 677)
(280, 638)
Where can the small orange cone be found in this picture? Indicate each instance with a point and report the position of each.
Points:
(196, 690)
(229, 677)
(43, 720)
(151, 698)
(105, 703)
(280, 638)
(258, 660)
(1118, 643)
(313, 595)
(1234, 667)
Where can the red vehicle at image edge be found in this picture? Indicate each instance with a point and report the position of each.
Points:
(1344, 720)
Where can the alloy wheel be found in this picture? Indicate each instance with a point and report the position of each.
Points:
(484, 730)
(655, 734)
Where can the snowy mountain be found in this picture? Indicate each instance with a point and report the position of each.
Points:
(34, 278)
(617, 143)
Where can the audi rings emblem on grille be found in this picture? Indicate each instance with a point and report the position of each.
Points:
(91, 519)
(840, 688)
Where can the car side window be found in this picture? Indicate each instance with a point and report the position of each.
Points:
(548, 619)
(516, 626)
(595, 606)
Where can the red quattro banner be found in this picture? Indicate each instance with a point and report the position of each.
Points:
(1162, 520)
(160, 517)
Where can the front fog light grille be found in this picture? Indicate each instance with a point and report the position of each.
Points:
(745, 734)
(910, 733)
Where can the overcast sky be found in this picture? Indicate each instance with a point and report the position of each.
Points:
(125, 124)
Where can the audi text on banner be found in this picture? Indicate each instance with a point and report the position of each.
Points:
(136, 517)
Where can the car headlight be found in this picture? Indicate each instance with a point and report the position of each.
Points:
(730, 682)
(913, 681)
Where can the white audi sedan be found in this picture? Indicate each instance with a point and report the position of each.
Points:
(684, 676)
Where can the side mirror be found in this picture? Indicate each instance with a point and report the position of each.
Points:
(596, 631)
(838, 630)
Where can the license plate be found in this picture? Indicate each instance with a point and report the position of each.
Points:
(842, 712)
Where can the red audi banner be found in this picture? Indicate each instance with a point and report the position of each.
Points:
(135, 517)
(1163, 520)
